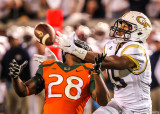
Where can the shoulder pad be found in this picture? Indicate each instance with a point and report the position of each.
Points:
(48, 62)
(133, 48)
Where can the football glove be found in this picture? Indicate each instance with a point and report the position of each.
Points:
(15, 69)
(98, 62)
(66, 43)
(49, 56)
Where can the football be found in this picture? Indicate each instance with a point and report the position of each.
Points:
(45, 34)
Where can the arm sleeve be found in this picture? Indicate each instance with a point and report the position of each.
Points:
(38, 79)
(92, 82)
(39, 82)
(40, 70)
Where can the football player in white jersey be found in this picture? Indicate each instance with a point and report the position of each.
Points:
(127, 64)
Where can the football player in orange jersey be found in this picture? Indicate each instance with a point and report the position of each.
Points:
(68, 85)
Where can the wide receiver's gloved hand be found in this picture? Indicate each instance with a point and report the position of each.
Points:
(98, 62)
(15, 69)
(49, 55)
(66, 43)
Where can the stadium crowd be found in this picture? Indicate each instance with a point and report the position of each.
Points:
(90, 19)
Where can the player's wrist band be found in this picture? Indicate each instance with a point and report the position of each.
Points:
(79, 52)
(95, 73)
(27, 89)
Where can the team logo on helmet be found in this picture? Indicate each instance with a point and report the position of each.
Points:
(141, 20)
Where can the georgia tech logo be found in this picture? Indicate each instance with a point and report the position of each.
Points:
(40, 33)
(141, 20)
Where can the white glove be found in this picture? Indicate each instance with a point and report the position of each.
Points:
(66, 43)
(49, 56)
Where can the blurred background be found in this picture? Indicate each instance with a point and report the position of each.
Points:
(90, 19)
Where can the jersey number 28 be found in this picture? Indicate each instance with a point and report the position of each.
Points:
(67, 88)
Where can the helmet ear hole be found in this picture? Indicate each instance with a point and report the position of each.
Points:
(140, 33)
(130, 27)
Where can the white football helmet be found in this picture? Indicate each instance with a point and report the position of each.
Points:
(139, 27)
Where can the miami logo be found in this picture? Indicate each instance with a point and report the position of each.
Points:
(141, 20)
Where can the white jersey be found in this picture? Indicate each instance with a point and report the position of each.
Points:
(132, 86)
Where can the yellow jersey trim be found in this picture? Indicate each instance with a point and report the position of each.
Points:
(134, 60)
(136, 46)
(118, 46)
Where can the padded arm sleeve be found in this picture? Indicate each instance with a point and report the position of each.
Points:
(39, 82)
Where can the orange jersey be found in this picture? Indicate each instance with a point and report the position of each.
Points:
(67, 88)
